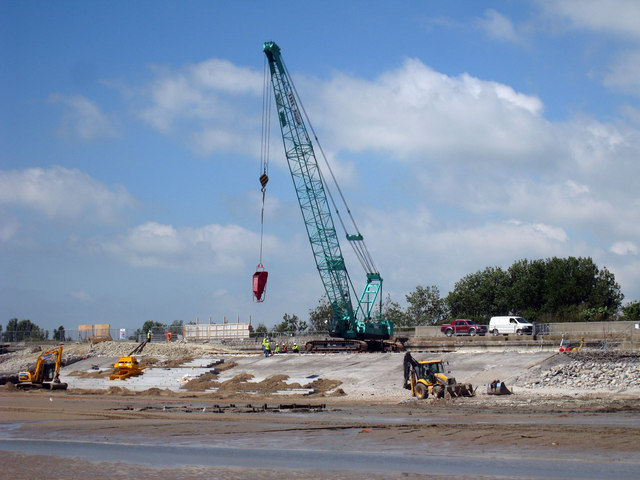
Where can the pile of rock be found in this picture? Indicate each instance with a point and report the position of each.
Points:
(588, 370)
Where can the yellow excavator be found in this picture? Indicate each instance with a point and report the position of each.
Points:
(428, 377)
(46, 373)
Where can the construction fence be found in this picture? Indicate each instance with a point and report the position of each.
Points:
(238, 332)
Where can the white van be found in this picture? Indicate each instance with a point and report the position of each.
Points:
(511, 324)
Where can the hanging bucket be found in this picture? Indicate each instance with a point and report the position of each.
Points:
(259, 283)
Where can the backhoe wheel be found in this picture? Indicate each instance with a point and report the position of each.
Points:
(438, 391)
(448, 332)
(421, 391)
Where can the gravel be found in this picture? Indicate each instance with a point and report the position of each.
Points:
(586, 371)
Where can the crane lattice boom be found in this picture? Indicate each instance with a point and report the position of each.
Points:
(312, 197)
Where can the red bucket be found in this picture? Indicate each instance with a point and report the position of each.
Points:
(259, 283)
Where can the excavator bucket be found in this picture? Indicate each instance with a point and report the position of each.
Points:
(497, 388)
(259, 283)
(461, 390)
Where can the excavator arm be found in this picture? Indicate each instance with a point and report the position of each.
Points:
(44, 374)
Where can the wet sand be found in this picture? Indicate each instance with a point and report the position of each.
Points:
(323, 437)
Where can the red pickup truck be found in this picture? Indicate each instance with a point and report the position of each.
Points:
(463, 327)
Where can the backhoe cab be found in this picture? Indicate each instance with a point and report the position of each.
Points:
(46, 373)
(428, 377)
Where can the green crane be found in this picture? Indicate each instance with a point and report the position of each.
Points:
(355, 325)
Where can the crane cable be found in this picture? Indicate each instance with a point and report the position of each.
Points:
(359, 247)
(264, 145)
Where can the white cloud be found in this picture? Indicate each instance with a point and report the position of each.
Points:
(427, 252)
(82, 296)
(480, 151)
(624, 248)
(209, 248)
(618, 17)
(62, 194)
(416, 112)
(209, 105)
(83, 118)
(624, 73)
(9, 226)
(498, 26)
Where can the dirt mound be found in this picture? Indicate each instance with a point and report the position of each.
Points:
(323, 385)
(337, 393)
(241, 385)
(118, 391)
(148, 361)
(202, 383)
(275, 384)
(175, 362)
(93, 373)
(155, 392)
(234, 385)
(223, 367)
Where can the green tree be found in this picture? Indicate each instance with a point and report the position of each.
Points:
(11, 332)
(261, 330)
(631, 312)
(555, 289)
(597, 314)
(176, 327)
(155, 327)
(480, 295)
(568, 281)
(526, 287)
(59, 334)
(392, 311)
(606, 292)
(320, 316)
(290, 324)
(425, 306)
(18, 331)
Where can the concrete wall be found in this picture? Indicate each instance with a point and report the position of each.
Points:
(573, 328)
(428, 331)
(594, 327)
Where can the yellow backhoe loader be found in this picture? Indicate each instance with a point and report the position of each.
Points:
(428, 378)
(46, 373)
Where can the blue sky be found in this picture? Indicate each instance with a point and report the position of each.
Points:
(463, 134)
